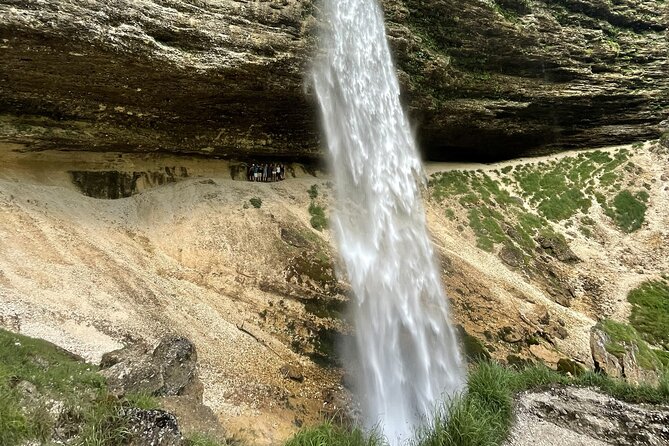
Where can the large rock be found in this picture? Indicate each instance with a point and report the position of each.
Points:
(152, 428)
(624, 366)
(557, 247)
(169, 370)
(604, 361)
(230, 78)
(576, 416)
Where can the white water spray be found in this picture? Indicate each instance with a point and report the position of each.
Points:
(407, 353)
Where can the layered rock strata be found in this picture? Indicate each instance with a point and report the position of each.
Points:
(481, 78)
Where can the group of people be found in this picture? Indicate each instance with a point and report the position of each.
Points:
(266, 172)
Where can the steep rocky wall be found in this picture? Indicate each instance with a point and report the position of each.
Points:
(209, 76)
(515, 75)
(481, 78)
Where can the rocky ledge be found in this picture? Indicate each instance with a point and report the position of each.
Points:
(570, 416)
(482, 78)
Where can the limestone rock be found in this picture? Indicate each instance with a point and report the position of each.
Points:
(293, 238)
(571, 367)
(624, 366)
(170, 369)
(511, 335)
(229, 78)
(575, 416)
(152, 428)
(293, 372)
(177, 359)
(545, 354)
(511, 256)
(604, 361)
(558, 248)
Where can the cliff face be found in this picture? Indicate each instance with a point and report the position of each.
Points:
(508, 76)
(229, 78)
(179, 75)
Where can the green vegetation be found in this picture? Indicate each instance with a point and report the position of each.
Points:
(508, 207)
(38, 379)
(485, 224)
(331, 434)
(256, 202)
(142, 400)
(622, 336)
(628, 211)
(483, 415)
(650, 311)
(318, 219)
(26, 362)
(313, 191)
(560, 189)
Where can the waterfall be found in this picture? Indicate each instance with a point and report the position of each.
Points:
(406, 353)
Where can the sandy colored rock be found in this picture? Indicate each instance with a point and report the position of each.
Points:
(583, 417)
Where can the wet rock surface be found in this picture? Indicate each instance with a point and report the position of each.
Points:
(578, 416)
(229, 78)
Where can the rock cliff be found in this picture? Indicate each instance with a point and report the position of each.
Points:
(481, 78)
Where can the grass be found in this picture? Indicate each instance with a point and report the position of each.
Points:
(622, 336)
(650, 311)
(628, 211)
(144, 401)
(256, 202)
(57, 376)
(483, 415)
(90, 415)
(485, 224)
(331, 434)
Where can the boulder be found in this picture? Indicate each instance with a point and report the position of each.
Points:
(512, 256)
(177, 359)
(170, 369)
(545, 354)
(624, 365)
(152, 428)
(293, 372)
(511, 334)
(570, 367)
(557, 247)
(604, 361)
(573, 416)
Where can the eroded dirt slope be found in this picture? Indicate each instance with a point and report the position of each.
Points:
(186, 251)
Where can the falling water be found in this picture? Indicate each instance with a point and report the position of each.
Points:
(407, 355)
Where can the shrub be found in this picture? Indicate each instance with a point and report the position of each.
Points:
(256, 202)
(318, 219)
(331, 435)
(313, 192)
